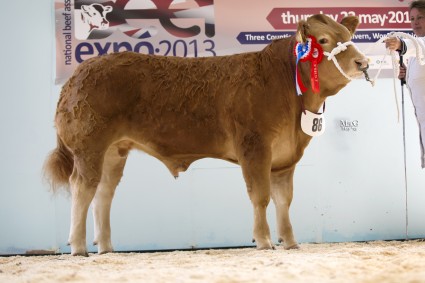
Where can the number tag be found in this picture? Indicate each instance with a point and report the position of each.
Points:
(313, 124)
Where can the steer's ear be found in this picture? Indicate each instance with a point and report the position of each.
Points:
(302, 31)
(351, 23)
(107, 9)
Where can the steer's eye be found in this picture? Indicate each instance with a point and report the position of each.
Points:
(323, 40)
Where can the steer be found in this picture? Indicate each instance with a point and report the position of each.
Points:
(242, 108)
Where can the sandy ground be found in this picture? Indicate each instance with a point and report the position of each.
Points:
(379, 261)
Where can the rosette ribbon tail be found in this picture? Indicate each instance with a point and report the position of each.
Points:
(298, 81)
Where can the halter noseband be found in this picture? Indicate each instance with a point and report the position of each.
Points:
(338, 49)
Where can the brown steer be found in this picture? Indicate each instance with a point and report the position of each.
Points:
(242, 108)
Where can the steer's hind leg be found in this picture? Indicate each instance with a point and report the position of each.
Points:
(256, 170)
(83, 181)
(282, 191)
(113, 166)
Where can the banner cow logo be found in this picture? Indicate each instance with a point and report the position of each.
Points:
(89, 18)
(137, 18)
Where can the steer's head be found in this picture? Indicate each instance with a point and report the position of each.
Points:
(331, 35)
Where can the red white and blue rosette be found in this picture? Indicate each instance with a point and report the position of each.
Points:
(308, 51)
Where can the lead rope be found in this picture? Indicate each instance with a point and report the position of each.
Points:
(419, 46)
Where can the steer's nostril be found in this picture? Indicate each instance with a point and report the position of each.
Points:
(362, 65)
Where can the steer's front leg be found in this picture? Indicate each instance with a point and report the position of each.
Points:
(256, 164)
(282, 192)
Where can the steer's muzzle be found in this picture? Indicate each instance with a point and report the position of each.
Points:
(363, 65)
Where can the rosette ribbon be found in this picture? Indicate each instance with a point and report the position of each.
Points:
(309, 51)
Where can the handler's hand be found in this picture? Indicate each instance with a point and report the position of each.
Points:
(402, 73)
(393, 43)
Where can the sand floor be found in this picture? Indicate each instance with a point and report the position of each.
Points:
(389, 261)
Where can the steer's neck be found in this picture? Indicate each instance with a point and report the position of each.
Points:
(312, 101)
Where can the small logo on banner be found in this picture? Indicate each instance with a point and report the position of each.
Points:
(89, 18)
(136, 19)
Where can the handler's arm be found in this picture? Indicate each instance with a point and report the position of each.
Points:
(396, 44)
(406, 46)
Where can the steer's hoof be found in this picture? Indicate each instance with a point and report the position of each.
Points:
(104, 247)
(292, 247)
(78, 249)
(85, 254)
(264, 245)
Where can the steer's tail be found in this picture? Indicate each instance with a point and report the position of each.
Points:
(58, 166)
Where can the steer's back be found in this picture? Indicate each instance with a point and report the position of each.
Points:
(172, 105)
